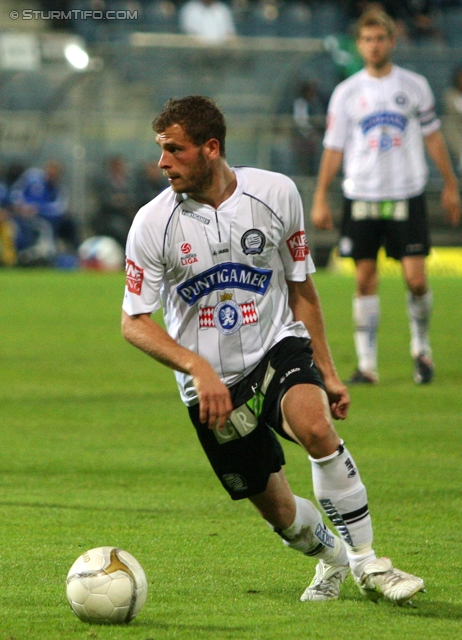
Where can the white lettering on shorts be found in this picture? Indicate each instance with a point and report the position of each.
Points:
(385, 210)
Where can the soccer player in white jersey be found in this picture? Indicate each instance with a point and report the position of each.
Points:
(223, 252)
(380, 121)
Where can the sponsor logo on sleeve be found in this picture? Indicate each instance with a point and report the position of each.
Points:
(297, 246)
(135, 276)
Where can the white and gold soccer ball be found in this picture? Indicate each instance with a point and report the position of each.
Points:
(106, 585)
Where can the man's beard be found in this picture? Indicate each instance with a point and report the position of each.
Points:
(200, 178)
(380, 64)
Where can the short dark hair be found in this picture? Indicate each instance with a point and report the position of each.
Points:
(199, 116)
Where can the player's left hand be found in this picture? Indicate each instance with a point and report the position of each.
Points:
(450, 199)
(339, 400)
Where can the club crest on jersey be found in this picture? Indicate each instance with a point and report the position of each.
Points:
(401, 99)
(135, 276)
(297, 246)
(228, 316)
(253, 242)
(385, 142)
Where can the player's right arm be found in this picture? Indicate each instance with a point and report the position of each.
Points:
(331, 162)
(147, 335)
(337, 132)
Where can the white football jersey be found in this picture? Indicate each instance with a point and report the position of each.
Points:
(220, 275)
(379, 124)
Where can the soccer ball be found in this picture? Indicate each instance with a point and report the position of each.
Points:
(106, 585)
(101, 253)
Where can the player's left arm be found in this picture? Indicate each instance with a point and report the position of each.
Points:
(306, 307)
(450, 196)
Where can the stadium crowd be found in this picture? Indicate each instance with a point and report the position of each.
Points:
(37, 227)
(215, 20)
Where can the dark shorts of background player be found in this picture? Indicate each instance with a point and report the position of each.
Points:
(243, 464)
(400, 238)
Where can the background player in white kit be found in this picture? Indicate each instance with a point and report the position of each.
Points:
(380, 120)
(224, 252)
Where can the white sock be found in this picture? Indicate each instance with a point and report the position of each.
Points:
(340, 492)
(309, 534)
(419, 310)
(366, 315)
(359, 557)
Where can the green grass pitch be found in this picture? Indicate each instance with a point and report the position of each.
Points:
(96, 449)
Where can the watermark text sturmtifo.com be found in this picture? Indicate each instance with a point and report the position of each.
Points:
(73, 14)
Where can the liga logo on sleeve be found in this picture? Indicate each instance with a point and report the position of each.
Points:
(135, 276)
(297, 246)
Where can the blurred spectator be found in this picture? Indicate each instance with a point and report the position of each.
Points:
(34, 239)
(209, 20)
(309, 111)
(116, 205)
(7, 230)
(149, 182)
(453, 120)
(39, 195)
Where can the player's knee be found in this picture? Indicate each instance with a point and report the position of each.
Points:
(417, 286)
(318, 437)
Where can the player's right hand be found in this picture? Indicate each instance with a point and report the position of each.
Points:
(215, 405)
(321, 216)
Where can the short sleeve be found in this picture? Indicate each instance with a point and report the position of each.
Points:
(337, 122)
(294, 249)
(144, 270)
(429, 123)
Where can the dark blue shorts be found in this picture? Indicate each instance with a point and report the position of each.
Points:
(247, 450)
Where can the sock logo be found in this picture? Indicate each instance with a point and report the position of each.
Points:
(351, 468)
(336, 519)
(324, 535)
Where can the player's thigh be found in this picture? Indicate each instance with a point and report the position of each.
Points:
(359, 239)
(411, 237)
(307, 419)
(243, 455)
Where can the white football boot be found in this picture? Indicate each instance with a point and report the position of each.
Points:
(326, 582)
(381, 580)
